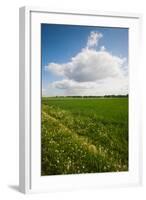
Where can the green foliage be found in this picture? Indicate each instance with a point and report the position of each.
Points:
(84, 135)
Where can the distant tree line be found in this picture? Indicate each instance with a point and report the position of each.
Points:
(116, 96)
(105, 96)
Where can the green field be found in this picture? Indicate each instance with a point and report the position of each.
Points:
(84, 135)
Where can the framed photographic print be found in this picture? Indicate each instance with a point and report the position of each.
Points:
(79, 109)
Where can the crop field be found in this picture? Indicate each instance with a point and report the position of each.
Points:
(84, 135)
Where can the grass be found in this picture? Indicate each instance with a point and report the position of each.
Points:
(84, 135)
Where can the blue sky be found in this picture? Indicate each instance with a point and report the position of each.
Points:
(60, 43)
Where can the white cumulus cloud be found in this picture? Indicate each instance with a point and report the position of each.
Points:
(108, 86)
(89, 65)
(91, 72)
(93, 39)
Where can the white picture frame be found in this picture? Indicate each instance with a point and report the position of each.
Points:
(29, 160)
